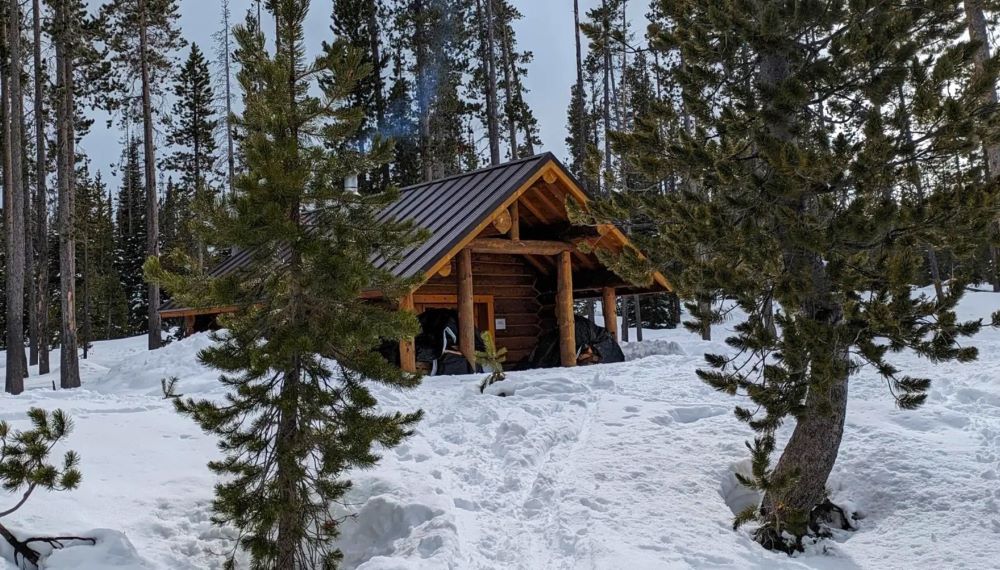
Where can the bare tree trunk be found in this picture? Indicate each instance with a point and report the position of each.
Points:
(422, 70)
(488, 55)
(705, 307)
(638, 318)
(376, 47)
(230, 151)
(16, 369)
(978, 32)
(87, 329)
(508, 64)
(69, 369)
(769, 316)
(607, 100)
(152, 207)
(625, 317)
(581, 107)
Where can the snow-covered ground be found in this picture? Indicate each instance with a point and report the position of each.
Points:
(611, 466)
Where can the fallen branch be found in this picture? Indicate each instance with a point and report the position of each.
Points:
(23, 551)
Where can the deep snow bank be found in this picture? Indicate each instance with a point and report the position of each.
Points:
(611, 466)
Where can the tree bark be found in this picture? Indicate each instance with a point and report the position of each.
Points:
(230, 151)
(508, 77)
(421, 71)
(625, 317)
(607, 99)
(378, 87)
(638, 318)
(978, 32)
(69, 369)
(581, 105)
(14, 209)
(152, 207)
(705, 307)
(488, 55)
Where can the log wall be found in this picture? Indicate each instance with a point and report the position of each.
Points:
(513, 284)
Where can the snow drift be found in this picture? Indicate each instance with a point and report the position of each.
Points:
(612, 466)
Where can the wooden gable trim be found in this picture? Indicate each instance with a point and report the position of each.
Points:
(486, 222)
(551, 173)
(603, 229)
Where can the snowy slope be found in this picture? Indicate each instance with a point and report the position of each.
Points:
(612, 466)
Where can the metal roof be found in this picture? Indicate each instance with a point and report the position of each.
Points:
(451, 207)
(447, 208)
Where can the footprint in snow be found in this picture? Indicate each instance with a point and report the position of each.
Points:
(688, 414)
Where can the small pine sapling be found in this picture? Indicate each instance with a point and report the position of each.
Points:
(169, 387)
(24, 468)
(492, 359)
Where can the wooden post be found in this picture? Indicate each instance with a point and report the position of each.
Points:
(466, 307)
(407, 349)
(188, 325)
(515, 222)
(564, 310)
(609, 302)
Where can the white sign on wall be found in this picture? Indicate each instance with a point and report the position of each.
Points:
(500, 324)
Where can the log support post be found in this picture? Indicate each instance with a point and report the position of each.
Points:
(609, 301)
(515, 222)
(407, 348)
(466, 318)
(564, 310)
(188, 325)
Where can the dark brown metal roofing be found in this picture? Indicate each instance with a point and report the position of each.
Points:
(448, 209)
(452, 207)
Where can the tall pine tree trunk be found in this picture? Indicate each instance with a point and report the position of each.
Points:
(378, 87)
(638, 318)
(488, 55)
(976, 21)
(69, 364)
(812, 450)
(230, 151)
(152, 207)
(85, 285)
(508, 77)
(421, 68)
(606, 47)
(14, 209)
(581, 110)
(288, 433)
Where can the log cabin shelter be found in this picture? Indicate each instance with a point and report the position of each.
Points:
(502, 252)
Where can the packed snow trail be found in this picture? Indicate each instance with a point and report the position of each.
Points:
(605, 467)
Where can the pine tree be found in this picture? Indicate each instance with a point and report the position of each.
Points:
(437, 34)
(805, 202)
(402, 127)
(67, 40)
(40, 311)
(195, 153)
(143, 37)
(25, 468)
(516, 111)
(224, 53)
(15, 208)
(130, 237)
(359, 24)
(299, 353)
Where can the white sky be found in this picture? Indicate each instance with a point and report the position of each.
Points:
(546, 30)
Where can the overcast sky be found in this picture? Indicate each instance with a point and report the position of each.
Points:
(546, 30)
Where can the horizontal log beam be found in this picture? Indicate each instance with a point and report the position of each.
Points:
(188, 312)
(519, 247)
